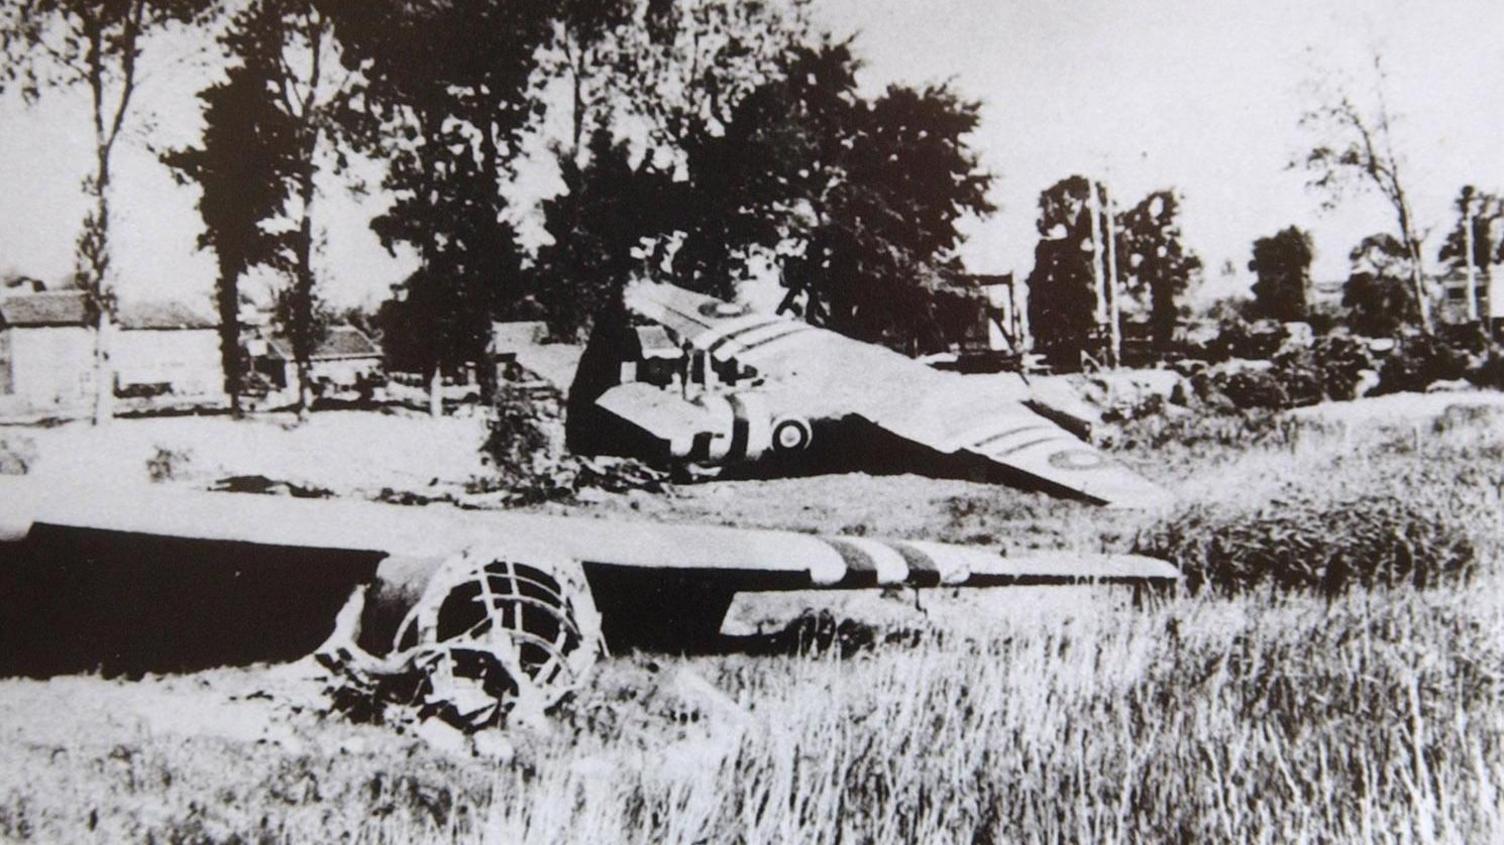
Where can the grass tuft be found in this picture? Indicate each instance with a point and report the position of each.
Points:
(1311, 541)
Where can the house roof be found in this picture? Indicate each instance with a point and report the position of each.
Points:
(163, 315)
(341, 342)
(54, 308)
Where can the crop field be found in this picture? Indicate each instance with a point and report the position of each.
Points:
(1335, 673)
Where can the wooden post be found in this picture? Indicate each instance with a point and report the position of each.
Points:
(1094, 207)
(1467, 248)
(1114, 317)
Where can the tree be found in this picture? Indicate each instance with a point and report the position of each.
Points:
(280, 113)
(242, 165)
(98, 44)
(1357, 149)
(891, 184)
(598, 225)
(1282, 262)
(1378, 294)
(690, 68)
(608, 206)
(1159, 266)
(1487, 213)
(586, 35)
(1062, 303)
(449, 95)
(856, 200)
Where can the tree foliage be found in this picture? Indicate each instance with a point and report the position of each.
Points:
(449, 97)
(1158, 265)
(785, 162)
(239, 166)
(586, 40)
(1378, 294)
(699, 75)
(1282, 263)
(1488, 230)
(1062, 303)
(281, 110)
(1356, 149)
(890, 188)
(599, 226)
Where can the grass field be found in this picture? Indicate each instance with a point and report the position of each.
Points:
(1368, 710)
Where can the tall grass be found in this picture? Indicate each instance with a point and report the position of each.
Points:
(1371, 714)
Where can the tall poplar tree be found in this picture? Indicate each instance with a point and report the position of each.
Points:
(97, 45)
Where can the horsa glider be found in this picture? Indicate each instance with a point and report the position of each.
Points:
(509, 606)
(710, 383)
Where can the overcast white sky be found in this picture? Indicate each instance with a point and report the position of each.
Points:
(1201, 95)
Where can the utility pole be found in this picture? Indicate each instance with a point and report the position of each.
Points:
(1467, 248)
(1094, 207)
(1114, 330)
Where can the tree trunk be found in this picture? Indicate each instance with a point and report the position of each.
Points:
(104, 373)
(1418, 282)
(302, 300)
(1413, 247)
(95, 240)
(436, 392)
(303, 313)
(231, 361)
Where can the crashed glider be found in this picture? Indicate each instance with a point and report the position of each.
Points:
(711, 383)
(146, 578)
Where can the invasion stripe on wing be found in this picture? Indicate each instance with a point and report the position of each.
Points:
(714, 339)
(993, 438)
(759, 342)
(1014, 450)
(928, 568)
(969, 431)
(869, 557)
(730, 345)
(773, 347)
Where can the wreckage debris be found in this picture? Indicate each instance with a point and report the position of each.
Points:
(476, 617)
(712, 385)
(487, 639)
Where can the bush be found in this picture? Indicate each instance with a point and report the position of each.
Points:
(1488, 370)
(1341, 361)
(525, 442)
(1253, 388)
(1237, 338)
(167, 464)
(1305, 542)
(1418, 361)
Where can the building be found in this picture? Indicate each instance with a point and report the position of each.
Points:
(46, 352)
(167, 349)
(1453, 308)
(161, 353)
(978, 313)
(522, 355)
(344, 360)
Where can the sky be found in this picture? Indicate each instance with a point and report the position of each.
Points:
(1203, 97)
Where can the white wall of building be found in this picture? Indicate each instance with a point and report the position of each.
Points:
(187, 359)
(345, 372)
(52, 366)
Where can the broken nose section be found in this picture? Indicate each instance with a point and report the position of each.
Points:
(474, 639)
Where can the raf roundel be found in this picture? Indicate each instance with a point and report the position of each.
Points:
(791, 435)
(724, 310)
(1077, 459)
